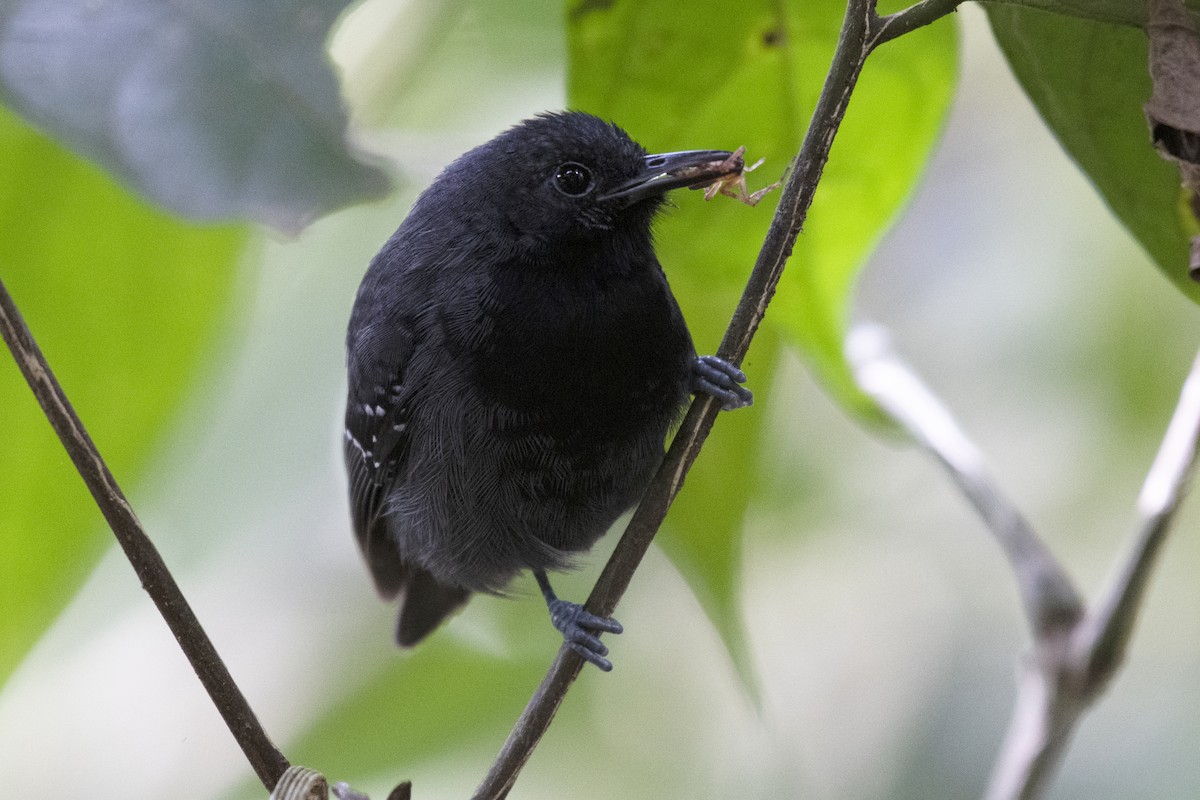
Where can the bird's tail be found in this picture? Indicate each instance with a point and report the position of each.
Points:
(426, 603)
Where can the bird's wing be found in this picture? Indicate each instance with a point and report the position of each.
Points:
(376, 444)
(376, 450)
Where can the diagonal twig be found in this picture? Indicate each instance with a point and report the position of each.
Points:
(915, 16)
(268, 763)
(1106, 631)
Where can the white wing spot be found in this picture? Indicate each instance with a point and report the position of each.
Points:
(366, 454)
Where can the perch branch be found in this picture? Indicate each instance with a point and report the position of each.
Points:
(797, 196)
(267, 761)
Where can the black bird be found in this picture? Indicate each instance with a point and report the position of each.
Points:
(515, 361)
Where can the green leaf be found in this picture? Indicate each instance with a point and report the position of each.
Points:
(1089, 80)
(680, 75)
(124, 303)
(217, 110)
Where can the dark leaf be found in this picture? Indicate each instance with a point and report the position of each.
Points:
(1089, 80)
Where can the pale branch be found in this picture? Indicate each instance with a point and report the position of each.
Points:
(1067, 673)
(1044, 714)
(1046, 591)
(1106, 630)
(268, 763)
(854, 45)
(1048, 705)
(1075, 652)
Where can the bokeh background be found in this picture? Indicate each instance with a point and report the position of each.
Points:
(881, 633)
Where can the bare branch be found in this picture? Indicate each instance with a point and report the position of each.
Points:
(1047, 707)
(800, 188)
(1106, 631)
(267, 761)
(1050, 600)
(915, 16)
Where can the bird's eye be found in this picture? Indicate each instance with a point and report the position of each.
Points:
(574, 180)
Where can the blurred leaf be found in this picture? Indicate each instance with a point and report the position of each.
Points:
(124, 302)
(444, 700)
(382, 78)
(439, 64)
(217, 110)
(433, 703)
(1089, 80)
(679, 75)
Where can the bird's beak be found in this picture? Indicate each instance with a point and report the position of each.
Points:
(662, 172)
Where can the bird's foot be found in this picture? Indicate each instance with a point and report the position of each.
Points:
(718, 378)
(579, 627)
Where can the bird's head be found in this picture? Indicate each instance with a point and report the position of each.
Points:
(572, 177)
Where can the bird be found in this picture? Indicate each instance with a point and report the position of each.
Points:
(515, 361)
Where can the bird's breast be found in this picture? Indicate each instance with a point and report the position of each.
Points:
(582, 358)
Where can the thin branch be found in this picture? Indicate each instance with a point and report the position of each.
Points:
(267, 761)
(1050, 600)
(915, 16)
(1048, 705)
(797, 196)
(1106, 631)
(800, 188)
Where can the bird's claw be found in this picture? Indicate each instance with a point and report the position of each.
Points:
(718, 378)
(576, 625)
